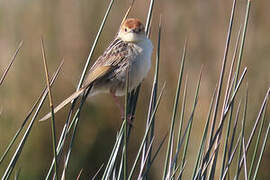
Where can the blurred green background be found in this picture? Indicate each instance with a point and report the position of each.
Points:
(69, 28)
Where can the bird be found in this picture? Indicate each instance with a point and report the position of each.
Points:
(129, 53)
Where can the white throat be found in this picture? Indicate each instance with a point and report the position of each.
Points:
(132, 37)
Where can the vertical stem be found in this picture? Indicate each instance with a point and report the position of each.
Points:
(125, 129)
(52, 109)
(226, 50)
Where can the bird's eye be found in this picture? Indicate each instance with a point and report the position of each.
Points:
(125, 29)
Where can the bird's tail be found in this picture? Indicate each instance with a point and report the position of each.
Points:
(64, 103)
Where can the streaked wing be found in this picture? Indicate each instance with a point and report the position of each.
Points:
(96, 73)
(113, 55)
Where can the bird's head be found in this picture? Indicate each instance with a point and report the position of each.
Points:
(132, 30)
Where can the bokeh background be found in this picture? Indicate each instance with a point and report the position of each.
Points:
(69, 28)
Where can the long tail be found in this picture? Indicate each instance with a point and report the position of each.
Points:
(64, 103)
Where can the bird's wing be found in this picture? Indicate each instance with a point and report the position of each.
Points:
(116, 52)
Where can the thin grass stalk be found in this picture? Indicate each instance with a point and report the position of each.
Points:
(243, 38)
(59, 145)
(77, 118)
(244, 122)
(10, 63)
(181, 119)
(228, 130)
(245, 159)
(210, 160)
(119, 177)
(79, 175)
(183, 137)
(54, 76)
(226, 50)
(238, 162)
(204, 170)
(262, 151)
(263, 106)
(146, 159)
(132, 103)
(64, 130)
(253, 130)
(20, 129)
(51, 108)
(192, 116)
(236, 120)
(206, 157)
(242, 41)
(170, 161)
(155, 155)
(69, 151)
(231, 143)
(24, 122)
(232, 86)
(17, 174)
(240, 149)
(233, 131)
(145, 135)
(231, 158)
(257, 145)
(235, 92)
(123, 163)
(231, 89)
(125, 129)
(175, 171)
(149, 18)
(73, 120)
(222, 71)
(114, 174)
(181, 172)
(226, 102)
(231, 109)
(98, 171)
(201, 149)
(153, 98)
(114, 153)
(19, 149)
(198, 173)
(175, 106)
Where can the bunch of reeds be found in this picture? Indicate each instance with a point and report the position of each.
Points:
(224, 124)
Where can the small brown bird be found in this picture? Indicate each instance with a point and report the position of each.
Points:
(131, 51)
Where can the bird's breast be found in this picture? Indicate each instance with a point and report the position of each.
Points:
(141, 63)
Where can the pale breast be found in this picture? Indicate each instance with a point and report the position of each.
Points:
(139, 66)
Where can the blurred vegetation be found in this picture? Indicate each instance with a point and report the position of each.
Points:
(69, 28)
